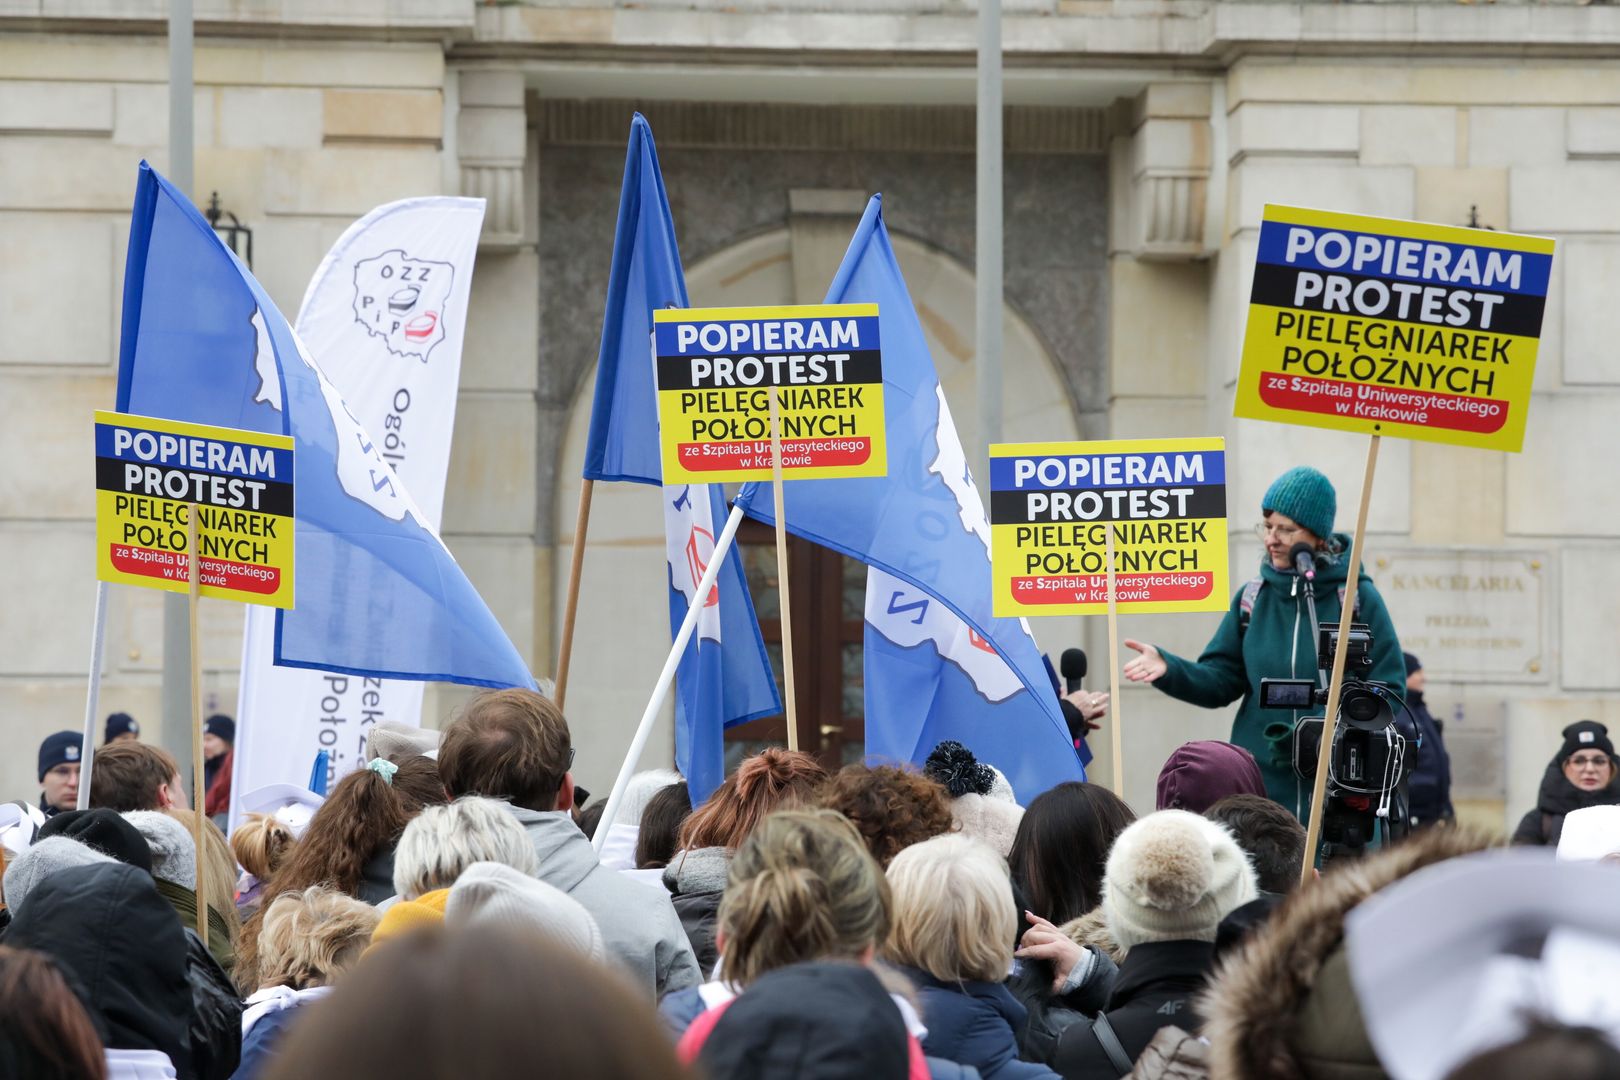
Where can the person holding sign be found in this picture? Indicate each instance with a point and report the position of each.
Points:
(1267, 631)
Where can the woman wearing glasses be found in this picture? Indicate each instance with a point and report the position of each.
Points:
(1267, 632)
(1581, 774)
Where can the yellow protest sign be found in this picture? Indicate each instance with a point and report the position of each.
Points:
(1052, 504)
(715, 368)
(152, 474)
(1393, 327)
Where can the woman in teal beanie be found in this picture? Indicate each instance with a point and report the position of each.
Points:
(1267, 632)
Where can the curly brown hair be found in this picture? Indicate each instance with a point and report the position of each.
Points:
(892, 808)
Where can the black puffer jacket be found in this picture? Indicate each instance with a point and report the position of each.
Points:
(1558, 797)
(123, 945)
(216, 1014)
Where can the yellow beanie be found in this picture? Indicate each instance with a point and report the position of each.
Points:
(409, 915)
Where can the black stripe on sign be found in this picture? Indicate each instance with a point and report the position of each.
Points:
(1276, 286)
(675, 372)
(1108, 504)
(200, 487)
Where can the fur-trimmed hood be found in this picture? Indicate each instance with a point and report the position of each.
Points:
(1262, 1017)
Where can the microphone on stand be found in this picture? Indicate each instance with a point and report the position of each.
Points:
(1073, 666)
(1304, 559)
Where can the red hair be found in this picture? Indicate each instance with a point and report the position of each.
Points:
(773, 779)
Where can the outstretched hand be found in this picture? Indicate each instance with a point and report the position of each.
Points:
(1148, 667)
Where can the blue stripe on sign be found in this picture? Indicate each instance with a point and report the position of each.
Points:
(753, 339)
(282, 460)
(1179, 469)
(1495, 265)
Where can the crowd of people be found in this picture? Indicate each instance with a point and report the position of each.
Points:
(442, 911)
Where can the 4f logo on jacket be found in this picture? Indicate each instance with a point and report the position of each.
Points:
(401, 300)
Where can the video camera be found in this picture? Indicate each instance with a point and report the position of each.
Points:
(1368, 763)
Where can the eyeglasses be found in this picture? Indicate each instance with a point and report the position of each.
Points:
(1284, 533)
(1592, 761)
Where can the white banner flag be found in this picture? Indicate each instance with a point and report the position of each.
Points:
(384, 317)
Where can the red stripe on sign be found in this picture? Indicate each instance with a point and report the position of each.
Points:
(1128, 588)
(217, 573)
(796, 454)
(1360, 401)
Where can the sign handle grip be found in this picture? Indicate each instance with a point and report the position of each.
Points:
(722, 546)
(199, 796)
(1116, 730)
(1324, 756)
(92, 701)
(582, 523)
(782, 589)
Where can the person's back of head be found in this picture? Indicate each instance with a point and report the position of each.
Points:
(133, 776)
(442, 841)
(1199, 774)
(893, 808)
(496, 893)
(658, 839)
(310, 938)
(260, 844)
(45, 1032)
(1062, 847)
(802, 887)
(954, 915)
(484, 1002)
(512, 745)
(1173, 876)
(1551, 1050)
(773, 779)
(106, 926)
(591, 817)
(1272, 837)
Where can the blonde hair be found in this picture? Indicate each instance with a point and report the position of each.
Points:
(216, 871)
(260, 843)
(954, 915)
(311, 937)
(801, 887)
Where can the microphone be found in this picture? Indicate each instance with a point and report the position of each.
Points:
(1073, 665)
(1304, 560)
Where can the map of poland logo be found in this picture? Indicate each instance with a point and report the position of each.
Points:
(401, 300)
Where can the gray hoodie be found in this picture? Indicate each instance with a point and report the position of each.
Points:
(638, 922)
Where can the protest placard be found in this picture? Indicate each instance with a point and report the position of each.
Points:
(1393, 327)
(716, 368)
(1052, 506)
(152, 473)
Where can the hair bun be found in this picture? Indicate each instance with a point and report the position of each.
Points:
(954, 766)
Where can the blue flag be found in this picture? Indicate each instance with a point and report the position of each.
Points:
(724, 677)
(376, 593)
(938, 665)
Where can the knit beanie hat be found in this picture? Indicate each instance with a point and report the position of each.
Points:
(1197, 775)
(1584, 735)
(220, 726)
(49, 856)
(409, 915)
(174, 852)
(1305, 495)
(987, 819)
(1173, 876)
(494, 893)
(120, 723)
(104, 830)
(59, 749)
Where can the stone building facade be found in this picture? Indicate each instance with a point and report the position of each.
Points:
(1143, 139)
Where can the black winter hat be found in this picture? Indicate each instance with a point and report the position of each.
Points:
(59, 749)
(220, 726)
(106, 831)
(1584, 735)
(120, 723)
(1412, 663)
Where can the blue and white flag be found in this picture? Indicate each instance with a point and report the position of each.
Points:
(377, 592)
(724, 678)
(938, 665)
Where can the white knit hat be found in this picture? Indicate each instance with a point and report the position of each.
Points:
(174, 853)
(989, 820)
(1173, 876)
(40, 861)
(489, 892)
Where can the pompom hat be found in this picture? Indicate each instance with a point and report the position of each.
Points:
(1173, 876)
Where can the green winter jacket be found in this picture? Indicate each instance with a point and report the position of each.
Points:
(1277, 645)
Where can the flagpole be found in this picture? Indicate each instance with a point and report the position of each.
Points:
(198, 794)
(98, 646)
(1115, 728)
(565, 654)
(782, 589)
(666, 678)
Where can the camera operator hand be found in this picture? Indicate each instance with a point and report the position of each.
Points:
(1148, 667)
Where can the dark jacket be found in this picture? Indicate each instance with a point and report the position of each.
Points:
(1277, 644)
(184, 902)
(696, 880)
(1031, 984)
(1429, 789)
(264, 1042)
(377, 875)
(974, 1023)
(108, 927)
(1545, 824)
(1157, 984)
(216, 1014)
